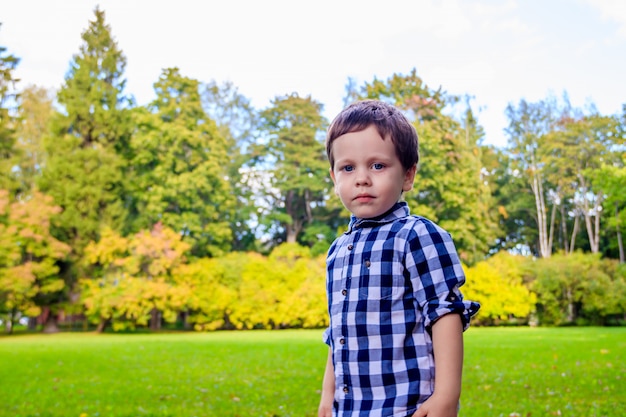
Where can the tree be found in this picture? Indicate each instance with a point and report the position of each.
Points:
(35, 113)
(181, 168)
(8, 96)
(209, 288)
(293, 165)
(85, 167)
(29, 274)
(576, 151)
(514, 204)
(576, 287)
(237, 121)
(134, 282)
(529, 126)
(84, 171)
(611, 181)
(496, 284)
(282, 290)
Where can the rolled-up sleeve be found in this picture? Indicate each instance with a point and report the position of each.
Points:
(436, 274)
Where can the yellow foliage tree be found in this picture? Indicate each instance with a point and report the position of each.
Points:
(206, 290)
(28, 255)
(134, 283)
(497, 285)
(283, 290)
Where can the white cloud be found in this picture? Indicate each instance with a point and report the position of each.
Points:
(614, 10)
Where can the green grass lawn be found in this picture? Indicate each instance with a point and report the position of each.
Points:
(545, 372)
(508, 372)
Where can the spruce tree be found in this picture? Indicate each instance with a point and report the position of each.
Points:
(84, 170)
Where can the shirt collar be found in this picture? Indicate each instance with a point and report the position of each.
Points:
(399, 210)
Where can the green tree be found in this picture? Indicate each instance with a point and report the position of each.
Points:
(514, 203)
(35, 113)
(181, 167)
(292, 165)
(570, 287)
(237, 121)
(575, 152)
(611, 181)
(8, 64)
(84, 168)
(530, 125)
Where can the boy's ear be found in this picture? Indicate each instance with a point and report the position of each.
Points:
(332, 177)
(409, 178)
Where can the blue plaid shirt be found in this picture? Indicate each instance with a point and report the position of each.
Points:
(388, 280)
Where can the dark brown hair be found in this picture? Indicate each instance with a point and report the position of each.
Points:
(389, 122)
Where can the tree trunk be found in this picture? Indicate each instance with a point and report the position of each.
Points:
(32, 323)
(8, 326)
(102, 325)
(564, 228)
(593, 229)
(537, 189)
(292, 230)
(570, 307)
(572, 245)
(552, 225)
(155, 319)
(620, 244)
(51, 324)
(182, 319)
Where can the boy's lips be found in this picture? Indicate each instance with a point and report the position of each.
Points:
(364, 197)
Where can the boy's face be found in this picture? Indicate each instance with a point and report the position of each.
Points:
(368, 176)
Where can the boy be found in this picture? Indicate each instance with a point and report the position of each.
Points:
(396, 314)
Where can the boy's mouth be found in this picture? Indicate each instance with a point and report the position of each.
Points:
(364, 197)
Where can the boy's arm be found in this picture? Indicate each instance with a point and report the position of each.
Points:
(328, 388)
(447, 333)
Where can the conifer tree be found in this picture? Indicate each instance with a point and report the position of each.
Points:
(84, 170)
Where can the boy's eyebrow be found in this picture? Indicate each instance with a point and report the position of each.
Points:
(381, 157)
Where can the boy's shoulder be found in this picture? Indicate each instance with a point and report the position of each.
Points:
(417, 221)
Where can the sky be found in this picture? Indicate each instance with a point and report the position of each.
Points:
(495, 51)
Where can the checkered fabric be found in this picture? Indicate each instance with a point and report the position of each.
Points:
(389, 279)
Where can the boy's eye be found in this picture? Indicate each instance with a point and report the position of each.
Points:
(378, 166)
(348, 168)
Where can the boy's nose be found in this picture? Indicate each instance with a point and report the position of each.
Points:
(363, 178)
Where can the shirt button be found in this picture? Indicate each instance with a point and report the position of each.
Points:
(368, 263)
(344, 292)
(350, 247)
(346, 389)
(342, 341)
